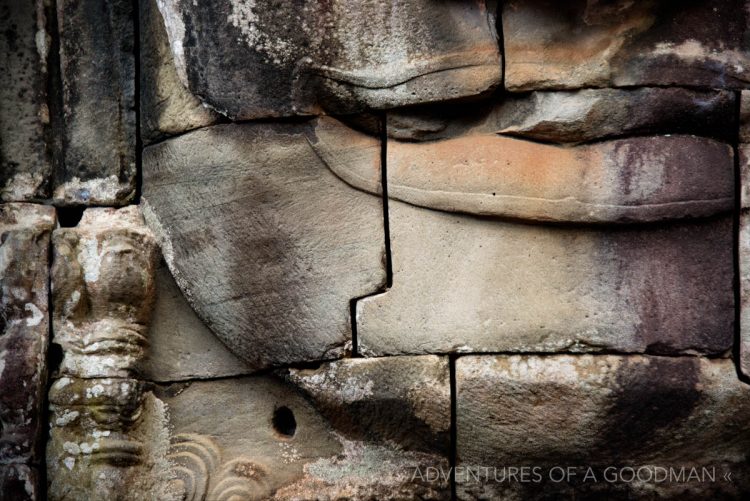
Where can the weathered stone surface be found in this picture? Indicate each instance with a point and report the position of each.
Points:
(639, 179)
(19, 483)
(181, 347)
(260, 59)
(260, 439)
(600, 411)
(744, 257)
(744, 269)
(25, 147)
(592, 114)
(743, 151)
(744, 135)
(24, 328)
(462, 283)
(108, 440)
(267, 244)
(167, 107)
(98, 76)
(404, 400)
(575, 116)
(586, 43)
(103, 292)
(108, 436)
(627, 180)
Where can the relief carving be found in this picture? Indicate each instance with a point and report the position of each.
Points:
(105, 436)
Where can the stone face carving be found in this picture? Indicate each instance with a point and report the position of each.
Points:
(24, 332)
(103, 284)
(463, 283)
(575, 116)
(586, 213)
(600, 411)
(588, 43)
(98, 76)
(25, 136)
(107, 432)
(267, 244)
(261, 59)
(167, 107)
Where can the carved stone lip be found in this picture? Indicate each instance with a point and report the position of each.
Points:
(635, 180)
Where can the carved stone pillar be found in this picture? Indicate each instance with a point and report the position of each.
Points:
(104, 425)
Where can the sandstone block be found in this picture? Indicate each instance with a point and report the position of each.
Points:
(405, 400)
(258, 438)
(588, 43)
(25, 144)
(167, 107)
(575, 116)
(98, 76)
(267, 244)
(462, 283)
(593, 114)
(24, 330)
(181, 347)
(264, 59)
(601, 412)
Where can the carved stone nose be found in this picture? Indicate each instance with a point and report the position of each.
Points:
(259, 59)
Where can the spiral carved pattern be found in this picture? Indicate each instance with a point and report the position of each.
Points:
(241, 479)
(195, 458)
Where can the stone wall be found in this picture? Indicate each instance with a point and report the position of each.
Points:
(362, 250)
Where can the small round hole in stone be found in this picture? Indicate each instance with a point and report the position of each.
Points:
(284, 422)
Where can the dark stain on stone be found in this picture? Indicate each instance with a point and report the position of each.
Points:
(648, 398)
(682, 277)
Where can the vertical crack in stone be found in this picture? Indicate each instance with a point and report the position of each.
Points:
(137, 101)
(384, 184)
(500, 40)
(54, 99)
(383, 135)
